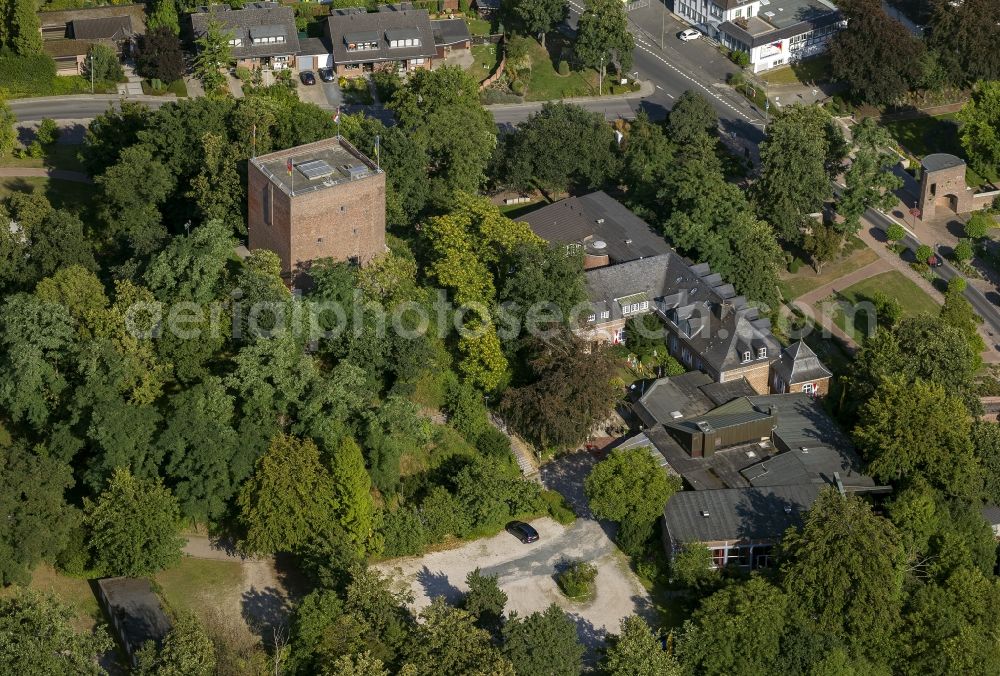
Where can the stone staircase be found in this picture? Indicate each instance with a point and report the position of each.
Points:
(523, 453)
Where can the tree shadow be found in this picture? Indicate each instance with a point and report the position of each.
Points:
(566, 476)
(265, 611)
(656, 112)
(438, 584)
(591, 637)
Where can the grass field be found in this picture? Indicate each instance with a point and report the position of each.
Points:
(816, 69)
(896, 285)
(199, 584)
(62, 194)
(543, 80)
(805, 280)
(177, 87)
(57, 156)
(478, 26)
(937, 134)
(484, 61)
(72, 591)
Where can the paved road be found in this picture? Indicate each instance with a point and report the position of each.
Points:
(980, 303)
(74, 107)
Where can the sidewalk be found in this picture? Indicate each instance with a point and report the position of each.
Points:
(42, 172)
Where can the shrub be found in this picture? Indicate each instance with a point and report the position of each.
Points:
(243, 74)
(923, 253)
(895, 232)
(493, 442)
(794, 266)
(442, 515)
(576, 580)
(403, 533)
(692, 566)
(963, 251)
(102, 63)
(979, 225)
(466, 410)
(517, 86)
(386, 83)
(739, 57)
(35, 149)
(48, 132)
(564, 67)
(31, 74)
(557, 507)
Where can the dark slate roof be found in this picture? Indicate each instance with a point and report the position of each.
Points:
(938, 161)
(750, 514)
(594, 218)
(378, 26)
(992, 514)
(802, 422)
(667, 399)
(723, 393)
(487, 4)
(64, 48)
(139, 613)
(735, 413)
(763, 33)
(258, 19)
(718, 325)
(312, 46)
(799, 364)
(450, 31)
(109, 28)
(815, 464)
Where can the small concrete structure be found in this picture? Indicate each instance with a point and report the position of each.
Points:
(942, 184)
(135, 612)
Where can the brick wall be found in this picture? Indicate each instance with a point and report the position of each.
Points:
(268, 216)
(756, 375)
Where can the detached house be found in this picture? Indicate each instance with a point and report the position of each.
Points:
(392, 38)
(67, 35)
(261, 34)
(631, 271)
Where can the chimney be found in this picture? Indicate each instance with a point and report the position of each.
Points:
(723, 309)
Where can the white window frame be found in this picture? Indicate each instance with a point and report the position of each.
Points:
(591, 318)
(809, 388)
(762, 353)
(747, 357)
(606, 314)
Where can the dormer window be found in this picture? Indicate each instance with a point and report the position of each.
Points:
(236, 42)
(762, 353)
(747, 356)
(606, 314)
(591, 318)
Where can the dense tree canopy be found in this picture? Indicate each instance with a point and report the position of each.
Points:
(603, 36)
(980, 131)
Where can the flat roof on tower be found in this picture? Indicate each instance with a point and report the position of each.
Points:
(315, 166)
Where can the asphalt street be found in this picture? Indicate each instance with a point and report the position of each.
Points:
(980, 303)
(73, 107)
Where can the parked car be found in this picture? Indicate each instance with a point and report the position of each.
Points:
(326, 75)
(522, 531)
(688, 35)
(307, 77)
(935, 261)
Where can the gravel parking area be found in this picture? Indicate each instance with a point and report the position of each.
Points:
(526, 572)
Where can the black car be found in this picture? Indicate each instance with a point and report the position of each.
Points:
(307, 77)
(522, 531)
(326, 75)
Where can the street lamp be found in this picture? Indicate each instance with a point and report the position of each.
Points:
(91, 73)
(600, 82)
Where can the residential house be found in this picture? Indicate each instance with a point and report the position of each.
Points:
(67, 35)
(798, 369)
(313, 54)
(739, 526)
(450, 35)
(261, 34)
(134, 612)
(772, 32)
(486, 8)
(392, 38)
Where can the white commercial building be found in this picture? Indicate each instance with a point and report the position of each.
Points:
(773, 32)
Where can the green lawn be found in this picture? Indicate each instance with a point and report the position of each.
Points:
(816, 69)
(484, 61)
(72, 591)
(199, 584)
(543, 81)
(937, 134)
(896, 285)
(57, 156)
(478, 26)
(177, 88)
(62, 194)
(805, 280)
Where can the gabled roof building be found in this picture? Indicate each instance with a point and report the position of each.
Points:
(393, 38)
(262, 34)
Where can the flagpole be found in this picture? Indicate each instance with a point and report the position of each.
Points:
(378, 153)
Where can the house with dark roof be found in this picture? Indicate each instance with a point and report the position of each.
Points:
(134, 612)
(773, 32)
(67, 35)
(394, 38)
(261, 34)
(601, 227)
(739, 526)
(798, 369)
(450, 35)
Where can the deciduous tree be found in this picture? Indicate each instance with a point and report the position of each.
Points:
(537, 17)
(485, 601)
(186, 651)
(980, 130)
(213, 54)
(39, 637)
(446, 641)
(134, 526)
(603, 36)
(543, 644)
(691, 115)
(869, 181)
(8, 135)
(160, 56)
(352, 492)
(636, 651)
(288, 499)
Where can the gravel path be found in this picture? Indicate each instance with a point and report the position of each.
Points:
(41, 172)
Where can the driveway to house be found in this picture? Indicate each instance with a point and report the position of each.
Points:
(526, 572)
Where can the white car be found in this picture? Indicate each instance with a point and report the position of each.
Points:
(688, 35)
